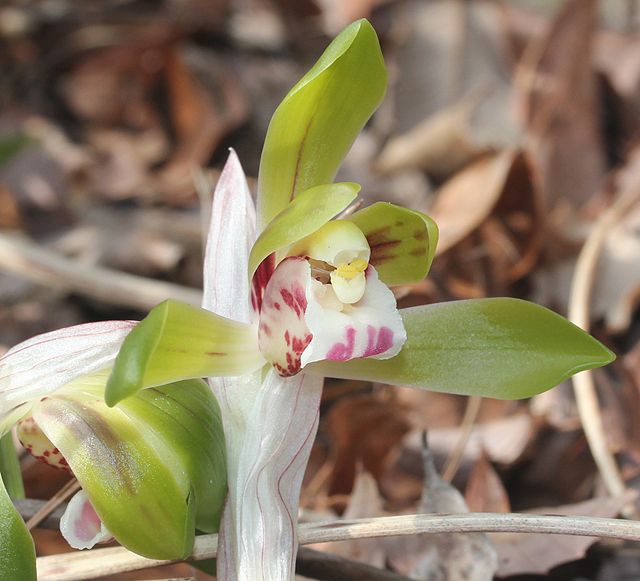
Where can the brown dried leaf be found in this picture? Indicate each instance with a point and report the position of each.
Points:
(616, 291)
(538, 553)
(9, 211)
(430, 410)
(442, 557)
(337, 14)
(121, 170)
(504, 440)
(558, 101)
(206, 104)
(446, 50)
(467, 199)
(440, 145)
(491, 223)
(365, 429)
(618, 57)
(113, 85)
(485, 491)
(365, 502)
(38, 187)
(616, 285)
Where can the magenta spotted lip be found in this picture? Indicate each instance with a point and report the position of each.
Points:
(378, 341)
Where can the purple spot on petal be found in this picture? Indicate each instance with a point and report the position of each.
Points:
(377, 345)
(343, 351)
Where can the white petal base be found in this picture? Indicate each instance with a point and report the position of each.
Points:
(270, 428)
(372, 327)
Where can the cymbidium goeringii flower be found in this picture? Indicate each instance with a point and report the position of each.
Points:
(295, 292)
(319, 292)
(152, 470)
(301, 291)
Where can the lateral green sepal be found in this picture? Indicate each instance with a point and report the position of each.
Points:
(501, 347)
(178, 341)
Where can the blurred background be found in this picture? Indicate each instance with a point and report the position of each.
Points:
(515, 125)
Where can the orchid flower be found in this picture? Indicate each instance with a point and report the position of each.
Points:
(151, 470)
(298, 290)
(319, 292)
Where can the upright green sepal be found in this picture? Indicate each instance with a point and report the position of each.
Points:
(316, 123)
(177, 341)
(17, 553)
(402, 241)
(302, 216)
(502, 348)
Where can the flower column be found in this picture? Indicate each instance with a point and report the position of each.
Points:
(270, 422)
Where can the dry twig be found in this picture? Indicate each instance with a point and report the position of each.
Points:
(54, 502)
(101, 562)
(26, 259)
(583, 383)
(466, 428)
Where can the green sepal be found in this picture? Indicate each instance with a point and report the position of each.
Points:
(187, 416)
(151, 467)
(17, 552)
(402, 241)
(316, 123)
(501, 347)
(178, 341)
(301, 217)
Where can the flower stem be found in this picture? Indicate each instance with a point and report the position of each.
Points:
(10, 468)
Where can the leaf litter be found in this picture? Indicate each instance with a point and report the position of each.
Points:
(514, 124)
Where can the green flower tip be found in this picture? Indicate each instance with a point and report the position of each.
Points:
(130, 365)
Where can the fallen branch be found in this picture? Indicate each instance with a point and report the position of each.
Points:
(116, 560)
(471, 412)
(24, 258)
(28, 507)
(583, 383)
(46, 509)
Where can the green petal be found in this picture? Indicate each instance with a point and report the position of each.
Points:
(403, 242)
(503, 348)
(17, 553)
(135, 473)
(316, 123)
(187, 417)
(301, 217)
(179, 341)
